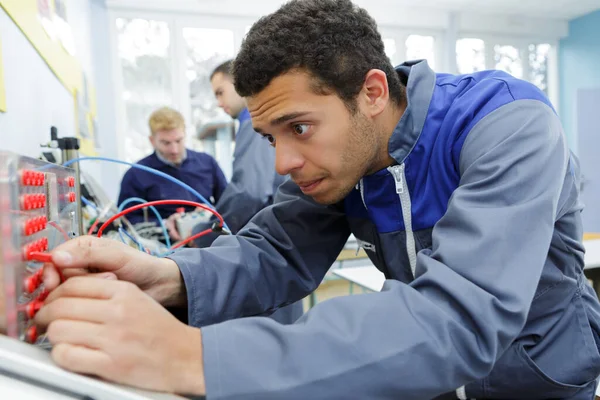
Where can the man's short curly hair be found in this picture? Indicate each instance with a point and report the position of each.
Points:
(334, 40)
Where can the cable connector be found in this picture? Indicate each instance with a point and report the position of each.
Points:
(218, 228)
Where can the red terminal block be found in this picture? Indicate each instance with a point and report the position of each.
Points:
(34, 225)
(43, 295)
(71, 181)
(33, 281)
(32, 178)
(33, 201)
(31, 251)
(32, 308)
(32, 334)
(72, 197)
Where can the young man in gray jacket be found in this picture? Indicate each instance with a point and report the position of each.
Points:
(465, 189)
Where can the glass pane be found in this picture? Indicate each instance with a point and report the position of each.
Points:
(205, 49)
(470, 55)
(143, 47)
(390, 50)
(421, 47)
(508, 59)
(538, 65)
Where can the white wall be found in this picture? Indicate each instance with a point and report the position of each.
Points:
(35, 97)
(104, 81)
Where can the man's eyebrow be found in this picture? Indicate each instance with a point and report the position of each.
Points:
(283, 119)
(288, 117)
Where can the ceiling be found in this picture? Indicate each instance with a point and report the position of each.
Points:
(554, 9)
(559, 9)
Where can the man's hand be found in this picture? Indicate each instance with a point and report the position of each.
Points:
(158, 277)
(172, 226)
(112, 329)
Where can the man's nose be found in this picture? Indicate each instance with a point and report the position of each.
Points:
(287, 157)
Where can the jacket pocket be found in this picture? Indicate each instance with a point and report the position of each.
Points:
(564, 363)
(520, 377)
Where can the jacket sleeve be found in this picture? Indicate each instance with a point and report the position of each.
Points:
(220, 180)
(468, 302)
(273, 261)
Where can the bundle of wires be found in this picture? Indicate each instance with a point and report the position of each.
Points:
(171, 202)
(222, 226)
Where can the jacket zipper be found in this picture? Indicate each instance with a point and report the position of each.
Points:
(397, 172)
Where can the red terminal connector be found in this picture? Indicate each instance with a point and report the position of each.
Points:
(32, 282)
(71, 181)
(32, 308)
(72, 197)
(32, 178)
(34, 225)
(41, 257)
(30, 251)
(33, 201)
(43, 295)
(32, 334)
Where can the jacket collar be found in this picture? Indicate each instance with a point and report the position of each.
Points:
(420, 82)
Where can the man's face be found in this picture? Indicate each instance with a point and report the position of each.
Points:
(169, 144)
(227, 97)
(325, 148)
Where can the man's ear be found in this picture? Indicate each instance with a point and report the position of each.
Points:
(375, 93)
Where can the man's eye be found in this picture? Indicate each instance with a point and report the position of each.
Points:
(270, 139)
(300, 129)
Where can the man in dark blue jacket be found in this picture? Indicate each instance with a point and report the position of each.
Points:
(465, 190)
(254, 181)
(198, 170)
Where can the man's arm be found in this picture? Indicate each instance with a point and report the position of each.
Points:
(279, 257)
(469, 301)
(220, 180)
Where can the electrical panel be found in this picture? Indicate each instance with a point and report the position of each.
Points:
(38, 211)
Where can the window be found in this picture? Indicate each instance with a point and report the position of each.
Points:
(508, 59)
(205, 50)
(421, 47)
(143, 49)
(470, 55)
(538, 65)
(390, 50)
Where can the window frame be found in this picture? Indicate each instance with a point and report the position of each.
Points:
(522, 44)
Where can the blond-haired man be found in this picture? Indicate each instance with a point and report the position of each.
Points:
(198, 170)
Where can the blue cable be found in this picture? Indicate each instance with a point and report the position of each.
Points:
(152, 171)
(123, 231)
(89, 203)
(160, 219)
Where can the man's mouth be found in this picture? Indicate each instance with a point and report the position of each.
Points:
(309, 186)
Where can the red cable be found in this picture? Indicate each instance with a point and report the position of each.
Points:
(94, 226)
(60, 229)
(159, 203)
(193, 237)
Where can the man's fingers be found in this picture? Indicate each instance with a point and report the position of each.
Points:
(82, 359)
(87, 287)
(89, 310)
(78, 333)
(91, 252)
(51, 277)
